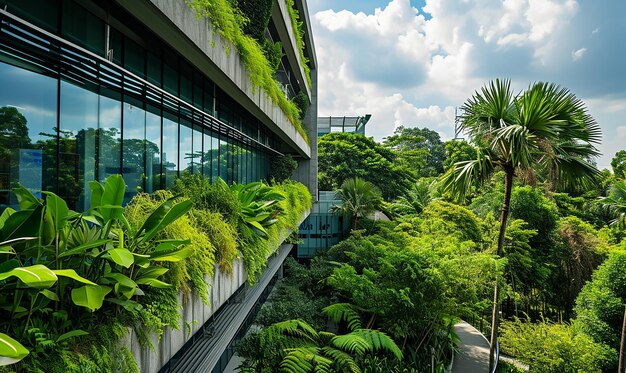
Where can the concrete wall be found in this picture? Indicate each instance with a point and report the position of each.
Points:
(306, 173)
(196, 39)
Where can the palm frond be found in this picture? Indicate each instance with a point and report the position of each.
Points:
(615, 204)
(462, 176)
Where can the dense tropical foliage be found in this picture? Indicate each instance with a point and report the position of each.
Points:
(73, 282)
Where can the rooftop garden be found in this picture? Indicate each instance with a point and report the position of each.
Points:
(243, 23)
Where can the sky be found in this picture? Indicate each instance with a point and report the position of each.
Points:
(412, 62)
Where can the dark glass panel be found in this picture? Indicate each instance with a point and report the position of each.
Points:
(41, 13)
(28, 136)
(170, 79)
(77, 158)
(134, 148)
(154, 70)
(134, 58)
(208, 101)
(186, 89)
(83, 28)
(170, 148)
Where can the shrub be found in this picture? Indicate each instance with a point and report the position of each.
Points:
(282, 167)
(548, 347)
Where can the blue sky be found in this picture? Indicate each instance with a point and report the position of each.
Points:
(411, 62)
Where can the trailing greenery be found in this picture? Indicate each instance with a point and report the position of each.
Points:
(298, 31)
(230, 24)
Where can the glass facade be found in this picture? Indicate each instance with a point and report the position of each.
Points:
(140, 109)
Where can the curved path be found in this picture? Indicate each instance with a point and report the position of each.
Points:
(474, 350)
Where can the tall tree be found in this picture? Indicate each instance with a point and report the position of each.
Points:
(421, 149)
(543, 130)
(345, 155)
(618, 163)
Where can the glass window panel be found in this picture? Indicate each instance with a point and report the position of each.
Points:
(186, 89)
(134, 58)
(197, 150)
(109, 136)
(223, 159)
(115, 45)
(154, 69)
(153, 146)
(77, 158)
(186, 146)
(35, 12)
(170, 148)
(208, 101)
(134, 148)
(170, 79)
(207, 155)
(83, 28)
(28, 138)
(215, 156)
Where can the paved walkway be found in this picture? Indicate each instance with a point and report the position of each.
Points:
(474, 354)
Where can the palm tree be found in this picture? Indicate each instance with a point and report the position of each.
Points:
(415, 199)
(615, 203)
(359, 198)
(544, 130)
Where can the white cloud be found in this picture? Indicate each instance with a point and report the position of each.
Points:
(578, 54)
(409, 66)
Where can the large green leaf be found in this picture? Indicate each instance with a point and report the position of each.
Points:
(153, 282)
(11, 351)
(73, 275)
(25, 198)
(84, 247)
(122, 257)
(159, 220)
(96, 194)
(23, 223)
(171, 256)
(37, 276)
(57, 208)
(89, 296)
(49, 294)
(114, 189)
(5, 215)
(122, 283)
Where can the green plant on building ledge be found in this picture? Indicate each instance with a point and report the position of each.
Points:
(230, 23)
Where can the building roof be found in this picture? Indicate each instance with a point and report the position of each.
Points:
(353, 124)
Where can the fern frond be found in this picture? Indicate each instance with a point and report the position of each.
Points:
(351, 343)
(344, 361)
(378, 340)
(344, 311)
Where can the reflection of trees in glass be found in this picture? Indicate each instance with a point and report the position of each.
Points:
(13, 130)
(226, 157)
(13, 135)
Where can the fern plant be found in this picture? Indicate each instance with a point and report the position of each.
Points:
(296, 347)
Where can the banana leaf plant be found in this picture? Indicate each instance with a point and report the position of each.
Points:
(259, 204)
(55, 258)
